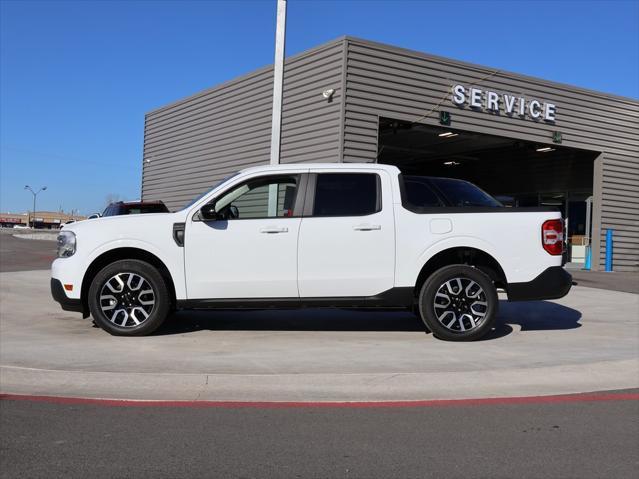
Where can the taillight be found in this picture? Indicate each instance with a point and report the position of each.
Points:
(552, 236)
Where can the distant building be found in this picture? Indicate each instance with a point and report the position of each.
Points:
(42, 219)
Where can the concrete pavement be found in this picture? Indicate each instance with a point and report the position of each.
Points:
(18, 254)
(615, 281)
(584, 342)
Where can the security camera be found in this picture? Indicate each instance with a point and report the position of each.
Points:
(328, 94)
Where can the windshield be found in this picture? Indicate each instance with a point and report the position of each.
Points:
(216, 185)
(142, 208)
(463, 193)
(119, 209)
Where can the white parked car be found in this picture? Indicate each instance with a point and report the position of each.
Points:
(335, 235)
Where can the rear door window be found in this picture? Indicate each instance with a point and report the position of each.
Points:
(347, 194)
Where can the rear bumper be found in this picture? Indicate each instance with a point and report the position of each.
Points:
(553, 283)
(68, 304)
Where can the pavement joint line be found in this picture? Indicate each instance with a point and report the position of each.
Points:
(83, 385)
(299, 374)
(513, 400)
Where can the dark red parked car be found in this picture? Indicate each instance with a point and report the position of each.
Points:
(134, 208)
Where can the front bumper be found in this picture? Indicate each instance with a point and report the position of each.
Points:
(68, 304)
(552, 283)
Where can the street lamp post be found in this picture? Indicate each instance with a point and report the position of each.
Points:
(278, 81)
(35, 194)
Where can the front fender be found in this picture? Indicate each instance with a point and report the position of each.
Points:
(122, 243)
(174, 265)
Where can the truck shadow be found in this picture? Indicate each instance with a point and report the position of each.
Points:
(529, 316)
(291, 320)
(533, 316)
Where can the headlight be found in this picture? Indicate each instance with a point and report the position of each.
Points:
(66, 244)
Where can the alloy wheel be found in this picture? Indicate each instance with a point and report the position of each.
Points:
(127, 299)
(460, 304)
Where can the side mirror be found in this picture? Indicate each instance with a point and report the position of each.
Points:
(208, 213)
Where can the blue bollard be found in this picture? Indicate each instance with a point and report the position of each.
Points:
(587, 264)
(609, 250)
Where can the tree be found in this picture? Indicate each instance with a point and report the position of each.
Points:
(112, 198)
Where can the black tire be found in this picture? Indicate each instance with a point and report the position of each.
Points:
(451, 303)
(130, 300)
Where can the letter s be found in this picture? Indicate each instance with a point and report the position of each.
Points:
(459, 95)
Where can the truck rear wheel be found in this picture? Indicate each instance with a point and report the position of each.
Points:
(129, 298)
(458, 303)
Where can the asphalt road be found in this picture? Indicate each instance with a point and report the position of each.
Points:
(24, 255)
(589, 439)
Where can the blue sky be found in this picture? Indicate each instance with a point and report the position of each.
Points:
(76, 78)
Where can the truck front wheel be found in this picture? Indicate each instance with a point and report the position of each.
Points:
(129, 298)
(458, 303)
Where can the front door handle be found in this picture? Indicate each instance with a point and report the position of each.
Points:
(273, 230)
(367, 227)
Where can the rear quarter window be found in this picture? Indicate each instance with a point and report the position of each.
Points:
(420, 194)
(460, 193)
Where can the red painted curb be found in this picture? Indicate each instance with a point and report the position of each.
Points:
(566, 398)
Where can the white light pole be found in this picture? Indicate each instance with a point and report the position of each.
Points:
(278, 81)
(34, 193)
(278, 87)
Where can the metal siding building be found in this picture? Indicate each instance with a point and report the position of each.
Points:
(191, 144)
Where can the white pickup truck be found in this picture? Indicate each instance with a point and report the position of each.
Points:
(315, 235)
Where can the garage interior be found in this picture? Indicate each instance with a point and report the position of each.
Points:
(516, 172)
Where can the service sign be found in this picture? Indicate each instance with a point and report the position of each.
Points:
(511, 105)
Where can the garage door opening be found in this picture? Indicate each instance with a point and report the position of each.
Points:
(516, 172)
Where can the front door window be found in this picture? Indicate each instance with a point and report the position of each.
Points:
(267, 197)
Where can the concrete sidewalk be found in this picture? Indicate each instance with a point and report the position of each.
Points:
(616, 281)
(587, 341)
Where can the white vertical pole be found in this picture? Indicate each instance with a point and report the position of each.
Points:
(278, 81)
(278, 87)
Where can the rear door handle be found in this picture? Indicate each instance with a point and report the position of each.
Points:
(367, 227)
(273, 230)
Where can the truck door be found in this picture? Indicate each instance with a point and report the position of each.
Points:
(346, 243)
(251, 252)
